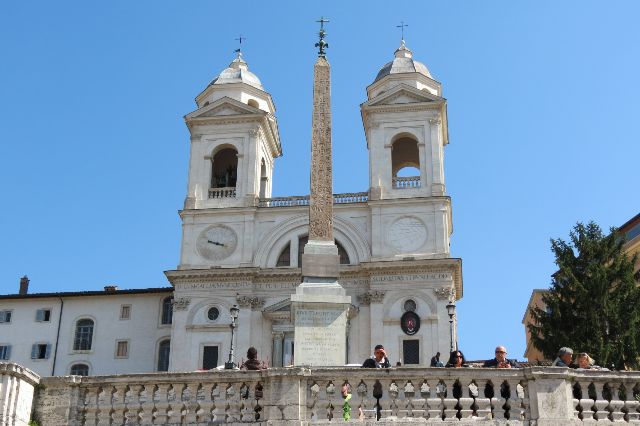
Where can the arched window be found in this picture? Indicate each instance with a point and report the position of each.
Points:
(164, 350)
(285, 257)
(224, 168)
(253, 103)
(405, 163)
(167, 310)
(79, 370)
(344, 257)
(84, 335)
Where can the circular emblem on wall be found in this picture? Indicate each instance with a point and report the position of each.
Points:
(410, 323)
(216, 242)
(407, 234)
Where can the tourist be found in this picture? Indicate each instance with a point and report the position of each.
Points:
(435, 361)
(378, 360)
(565, 355)
(500, 360)
(252, 362)
(585, 362)
(456, 360)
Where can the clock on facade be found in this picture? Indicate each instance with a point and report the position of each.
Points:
(407, 234)
(217, 242)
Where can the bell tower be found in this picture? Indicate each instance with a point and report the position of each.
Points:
(234, 141)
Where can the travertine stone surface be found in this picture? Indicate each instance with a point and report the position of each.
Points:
(16, 393)
(321, 201)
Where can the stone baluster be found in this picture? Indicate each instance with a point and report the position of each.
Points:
(312, 402)
(258, 408)
(385, 399)
(469, 392)
(366, 401)
(190, 401)
(435, 402)
(450, 401)
(631, 404)
(498, 403)
(408, 408)
(217, 404)
(483, 404)
(231, 403)
(600, 403)
(132, 402)
(331, 407)
(90, 409)
(145, 397)
(104, 406)
(246, 409)
(516, 396)
(174, 414)
(586, 403)
(615, 405)
(419, 401)
(118, 405)
(161, 404)
(203, 404)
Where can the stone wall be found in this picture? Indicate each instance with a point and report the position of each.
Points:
(541, 396)
(16, 393)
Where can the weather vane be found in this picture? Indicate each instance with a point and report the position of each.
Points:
(401, 26)
(322, 45)
(239, 39)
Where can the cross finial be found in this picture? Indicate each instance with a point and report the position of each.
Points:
(401, 26)
(239, 39)
(322, 45)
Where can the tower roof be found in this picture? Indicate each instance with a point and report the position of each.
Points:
(402, 63)
(238, 72)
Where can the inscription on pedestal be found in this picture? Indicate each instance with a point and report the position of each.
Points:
(320, 337)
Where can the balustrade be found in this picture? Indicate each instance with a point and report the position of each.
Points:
(532, 395)
(227, 192)
(406, 182)
(346, 198)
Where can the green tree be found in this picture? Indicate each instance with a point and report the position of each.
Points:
(593, 304)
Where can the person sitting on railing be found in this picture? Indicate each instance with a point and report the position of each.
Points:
(378, 360)
(501, 361)
(252, 363)
(456, 360)
(435, 361)
(565, 356)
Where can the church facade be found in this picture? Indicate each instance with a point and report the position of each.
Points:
(241, 246)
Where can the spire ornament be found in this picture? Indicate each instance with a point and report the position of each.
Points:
(239, 40)
(322, 45)
(401, 26)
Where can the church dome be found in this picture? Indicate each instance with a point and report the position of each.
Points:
(402, 63)
(238, 72)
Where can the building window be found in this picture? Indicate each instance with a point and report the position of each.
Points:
(302, 241)
(5, 316)
(285, 257)
(5, 352)
(167, 310)
(122, 349)
(79, 370)
(213, 313)
(224, 167)
(411, 351)
(410, 305)
(40, 351)
(209, 357)
(405, 163)
(43, 315)
(125, 312)
(84, 335)
(164, 350)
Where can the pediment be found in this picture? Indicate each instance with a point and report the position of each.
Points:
(282, 306)
(224, 107)
(403, 95)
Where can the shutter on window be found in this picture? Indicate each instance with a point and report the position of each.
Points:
(34, 351)
(7, 352)
(46, 356)
(40, 315)
(3, 316)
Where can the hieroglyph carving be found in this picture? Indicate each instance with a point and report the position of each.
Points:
(321, 199)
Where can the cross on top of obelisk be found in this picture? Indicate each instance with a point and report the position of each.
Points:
(322, 45)
(401, 26)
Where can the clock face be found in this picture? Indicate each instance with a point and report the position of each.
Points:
(217, 242)
(407, 234)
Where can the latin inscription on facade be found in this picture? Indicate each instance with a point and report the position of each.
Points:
(437, 276)
(320, 336)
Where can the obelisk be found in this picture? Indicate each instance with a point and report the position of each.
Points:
(320, 305)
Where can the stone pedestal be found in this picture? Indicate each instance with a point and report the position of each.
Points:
(319, 312)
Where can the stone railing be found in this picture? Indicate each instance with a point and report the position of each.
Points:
(406, 182)
(227, 192)
(530, 396)
(16, 393)
(346, 198)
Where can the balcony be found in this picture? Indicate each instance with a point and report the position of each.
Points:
(298, 395)
(225, 192)
(346, 198)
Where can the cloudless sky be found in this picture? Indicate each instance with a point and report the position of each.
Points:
(543, 124)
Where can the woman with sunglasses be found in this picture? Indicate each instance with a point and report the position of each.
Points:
(456, 360)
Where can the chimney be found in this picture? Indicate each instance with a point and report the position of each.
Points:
(24, 285)
(110, 288)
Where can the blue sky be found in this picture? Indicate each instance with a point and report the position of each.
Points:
(543, 112)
